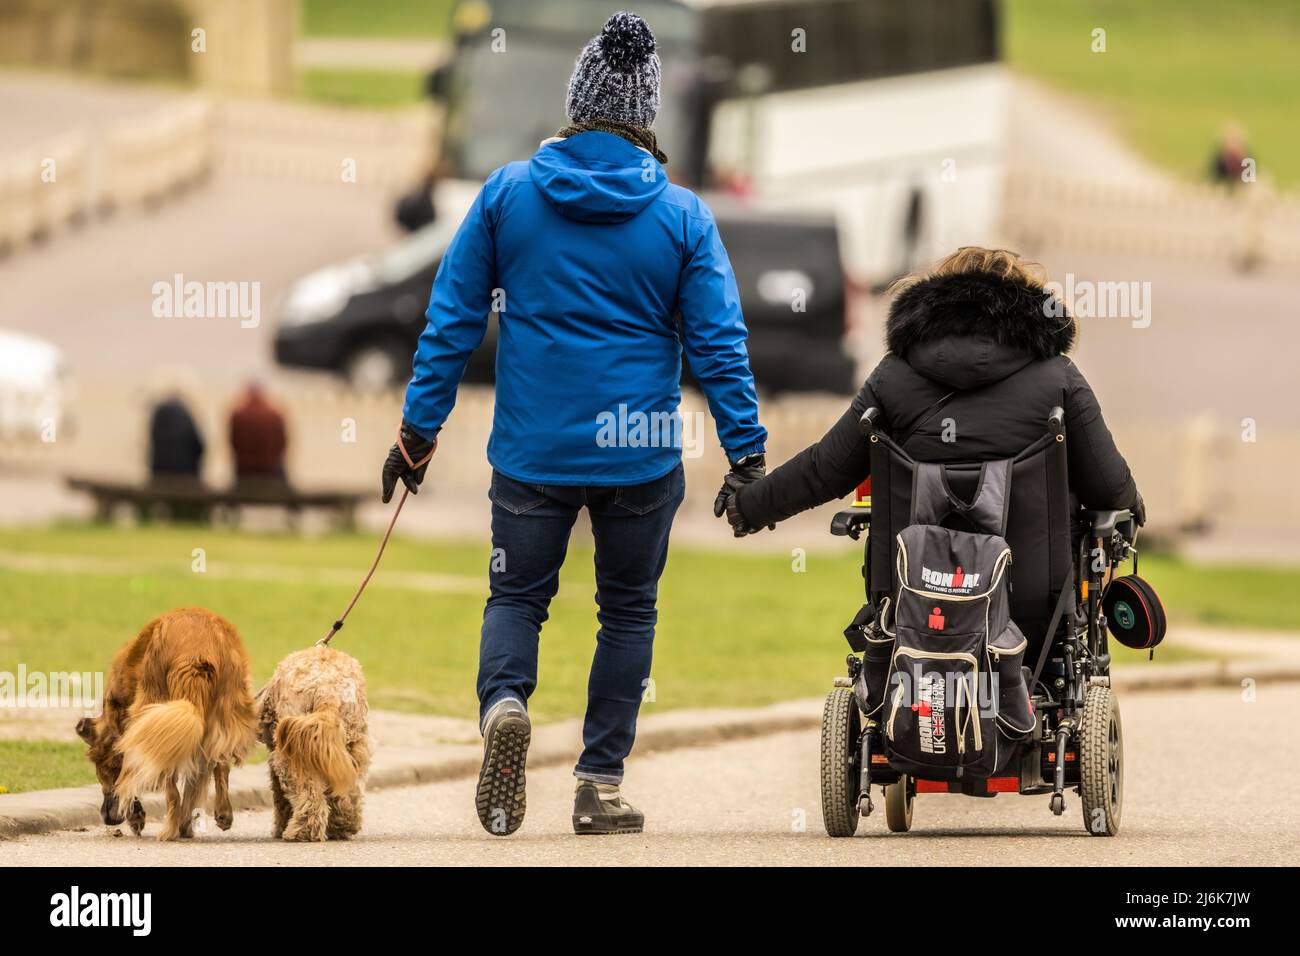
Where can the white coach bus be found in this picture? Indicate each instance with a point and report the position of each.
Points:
(890, 113)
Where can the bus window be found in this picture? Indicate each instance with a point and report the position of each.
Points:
(849, 40)
(509, 77)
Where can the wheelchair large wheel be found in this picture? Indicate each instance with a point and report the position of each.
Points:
(1101, 762)
(898, 804)
(841, 721)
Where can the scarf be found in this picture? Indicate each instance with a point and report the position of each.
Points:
(636, 135)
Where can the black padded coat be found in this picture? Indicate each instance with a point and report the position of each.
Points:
(975, 365)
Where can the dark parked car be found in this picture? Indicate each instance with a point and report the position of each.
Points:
(362, 318)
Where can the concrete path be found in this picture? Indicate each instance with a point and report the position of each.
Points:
(1203, 786)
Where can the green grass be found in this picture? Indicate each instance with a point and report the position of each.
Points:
(372, 89)
(1173, 72)
(735, 630)
(391, 18)
(42, 765)
(48, 764)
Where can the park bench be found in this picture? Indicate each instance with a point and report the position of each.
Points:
(182, 498)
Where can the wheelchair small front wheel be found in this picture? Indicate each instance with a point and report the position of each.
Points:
(841, 729)
(898, 804)
(1101, 762)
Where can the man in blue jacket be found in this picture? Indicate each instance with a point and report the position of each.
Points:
(601, 273)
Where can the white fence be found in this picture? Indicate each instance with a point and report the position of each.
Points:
(150, 158)
(321, 144)
(67, 180)
(43, 190)
(143, 160)
(1248, 224)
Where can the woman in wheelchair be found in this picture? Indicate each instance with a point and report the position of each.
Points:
(980, 436)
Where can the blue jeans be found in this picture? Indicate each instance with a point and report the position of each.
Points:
(530, 535)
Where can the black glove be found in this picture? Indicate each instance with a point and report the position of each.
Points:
(749, 469)
(418, 450)
(1139, 510)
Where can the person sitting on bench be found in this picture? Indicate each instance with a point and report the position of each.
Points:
(257, 438)
(175, 444)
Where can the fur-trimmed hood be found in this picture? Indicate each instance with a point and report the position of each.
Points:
(969, 330)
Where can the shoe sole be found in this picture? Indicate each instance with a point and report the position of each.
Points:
(594, 829)
(500, 799)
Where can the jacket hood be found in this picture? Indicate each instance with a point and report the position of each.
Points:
(971, 330)
(596, 177)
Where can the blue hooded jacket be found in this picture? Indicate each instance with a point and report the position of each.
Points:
(588, 253)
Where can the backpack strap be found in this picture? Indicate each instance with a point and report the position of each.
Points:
(933, 499)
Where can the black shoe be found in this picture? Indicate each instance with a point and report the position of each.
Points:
(500, 798)
(598, 814)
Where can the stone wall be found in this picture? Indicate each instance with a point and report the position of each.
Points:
(245, 47)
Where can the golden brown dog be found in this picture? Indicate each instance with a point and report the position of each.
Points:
(314, 722)
(177, 710)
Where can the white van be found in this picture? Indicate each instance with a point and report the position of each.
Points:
(33, 388)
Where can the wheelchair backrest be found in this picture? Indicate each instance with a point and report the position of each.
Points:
(1037, 523)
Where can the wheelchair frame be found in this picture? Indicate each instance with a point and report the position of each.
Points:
(1077, 740)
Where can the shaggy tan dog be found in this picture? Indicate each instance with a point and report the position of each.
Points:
(314, 722)
(177, 710)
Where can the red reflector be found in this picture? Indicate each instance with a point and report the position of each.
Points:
(1004, 785)
(931, 786)
(1069, 755)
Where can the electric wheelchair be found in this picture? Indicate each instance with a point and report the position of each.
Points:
(1062, 560)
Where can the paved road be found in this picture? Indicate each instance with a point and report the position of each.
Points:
(1205, 785)
(91, 292)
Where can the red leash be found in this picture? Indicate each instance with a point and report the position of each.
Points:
(338, 625)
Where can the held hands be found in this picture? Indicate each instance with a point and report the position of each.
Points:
(749, 469)
(408, 460)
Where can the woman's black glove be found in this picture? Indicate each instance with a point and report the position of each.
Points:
(1140, 511)
(749, 469)
(408, 459)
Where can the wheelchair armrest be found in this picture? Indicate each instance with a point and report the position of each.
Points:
(1104, 524)
(851, 522)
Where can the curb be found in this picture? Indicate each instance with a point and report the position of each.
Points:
(41, 811)
(1198, 674)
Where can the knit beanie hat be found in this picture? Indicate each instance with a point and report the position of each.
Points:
(616, 77)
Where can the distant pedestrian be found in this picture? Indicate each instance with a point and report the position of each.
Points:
(1231, 157)
(258, 437)
(175, 444)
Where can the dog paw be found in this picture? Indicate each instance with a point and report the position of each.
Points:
(294, 834)
(136, 819)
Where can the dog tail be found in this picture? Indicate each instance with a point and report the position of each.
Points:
(314, 746)
(161, 740)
